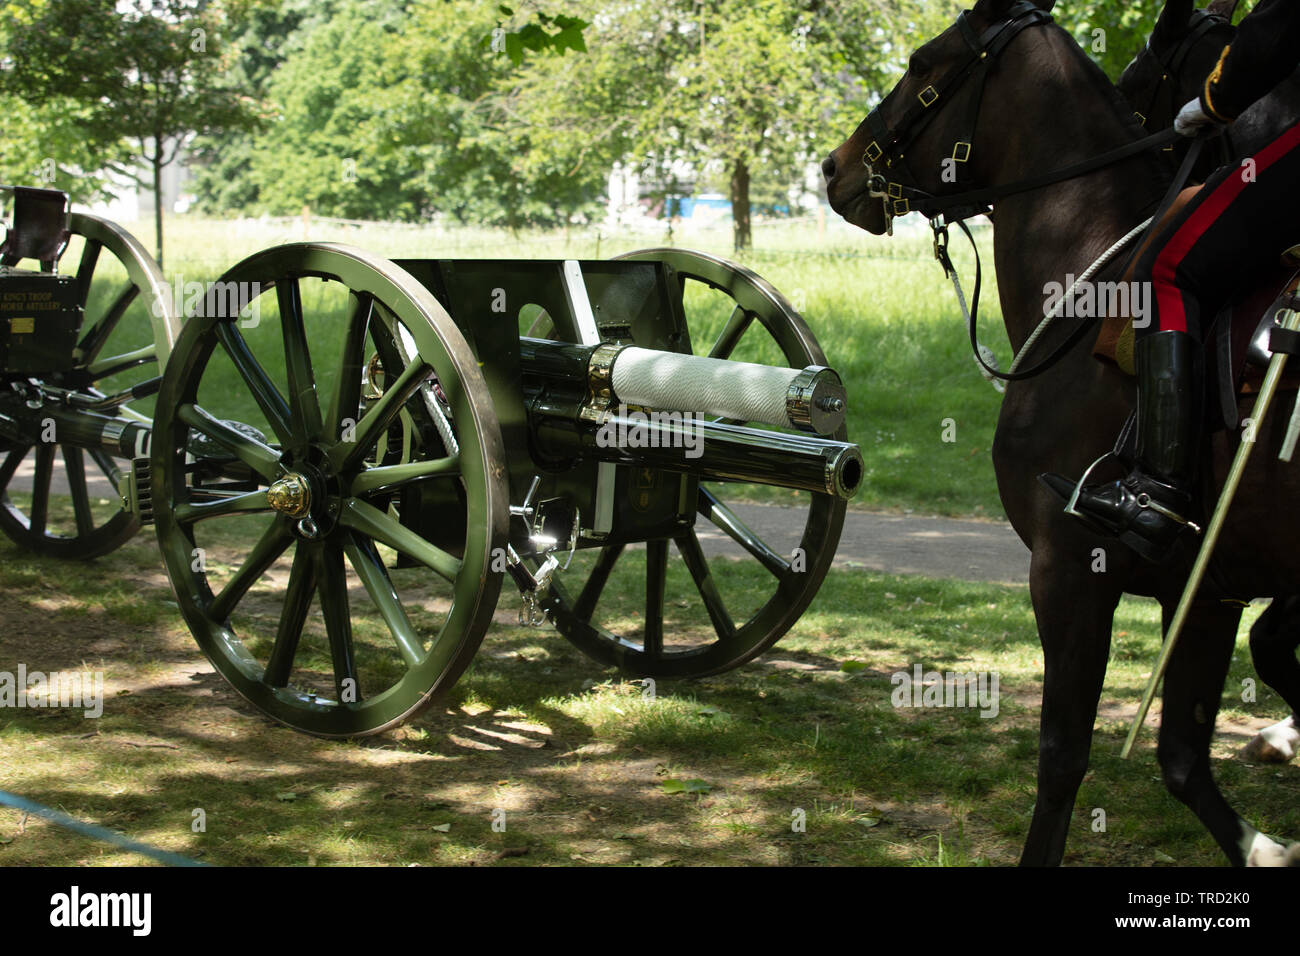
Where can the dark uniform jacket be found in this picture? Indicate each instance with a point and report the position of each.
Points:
(1265, 52)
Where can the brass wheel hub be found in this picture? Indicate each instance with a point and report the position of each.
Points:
(291, 496)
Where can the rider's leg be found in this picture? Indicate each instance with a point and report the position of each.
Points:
(1232, 230)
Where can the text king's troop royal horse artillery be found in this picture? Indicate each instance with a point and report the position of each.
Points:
(1065, 185)
(432, 425)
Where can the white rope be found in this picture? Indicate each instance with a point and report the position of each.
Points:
(1050, 316)
(1087, 275)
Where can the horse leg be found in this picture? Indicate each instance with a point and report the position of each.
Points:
(1075, 616)
(1193, 688)
(1273, 642)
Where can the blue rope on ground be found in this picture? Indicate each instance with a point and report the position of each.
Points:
(95, 832)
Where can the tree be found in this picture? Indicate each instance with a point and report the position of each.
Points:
(149, 71)
(757, 87)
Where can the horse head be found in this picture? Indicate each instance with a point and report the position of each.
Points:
(1169, 70)
(879, 172)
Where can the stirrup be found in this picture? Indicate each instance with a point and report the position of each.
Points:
(1074, 498)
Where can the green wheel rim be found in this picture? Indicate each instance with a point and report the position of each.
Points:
(95, 531)
(350, 492)
(734, 642)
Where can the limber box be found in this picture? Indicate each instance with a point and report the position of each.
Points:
(40, 319)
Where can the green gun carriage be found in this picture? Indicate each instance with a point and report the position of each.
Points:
(344, 456)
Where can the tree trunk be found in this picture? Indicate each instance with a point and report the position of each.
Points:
(158, 203)
(740, 205)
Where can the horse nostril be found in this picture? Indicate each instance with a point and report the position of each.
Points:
(828, 167)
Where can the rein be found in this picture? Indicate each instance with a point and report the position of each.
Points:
(983, 355)
(893, 181)
(901, 195)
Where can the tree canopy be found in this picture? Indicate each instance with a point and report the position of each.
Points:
(511, 114)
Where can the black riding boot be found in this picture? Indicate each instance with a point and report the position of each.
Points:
(1148, 510)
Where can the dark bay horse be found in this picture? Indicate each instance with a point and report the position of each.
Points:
(1165, 74)
(1010, 97)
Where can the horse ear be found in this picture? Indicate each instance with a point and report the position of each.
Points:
(1223, 8)
(1173, 19)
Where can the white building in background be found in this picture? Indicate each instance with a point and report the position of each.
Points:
(132, 202)
(634, 202)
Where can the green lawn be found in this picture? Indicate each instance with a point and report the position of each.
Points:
(580, 765)
(882, 310)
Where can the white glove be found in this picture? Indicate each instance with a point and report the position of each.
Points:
(1192, 120)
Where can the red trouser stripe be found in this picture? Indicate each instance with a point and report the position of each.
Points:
(1169, 299)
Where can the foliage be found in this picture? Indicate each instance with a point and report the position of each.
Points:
(147, 71)
(500, 114)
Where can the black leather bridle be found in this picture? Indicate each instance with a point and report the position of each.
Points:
(1171, 64)
(893, 182)
(1161, 105)
(885, 156)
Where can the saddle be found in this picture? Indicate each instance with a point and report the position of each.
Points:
(1236, 341)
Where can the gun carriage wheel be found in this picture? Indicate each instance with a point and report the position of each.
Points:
(79, 392)
(284, 451)
(647, 649)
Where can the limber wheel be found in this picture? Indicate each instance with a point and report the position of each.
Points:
(694, 622)
(318, 414)
(129, 329)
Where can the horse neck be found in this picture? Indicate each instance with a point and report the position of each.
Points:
(1040, 237)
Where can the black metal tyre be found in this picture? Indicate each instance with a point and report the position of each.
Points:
(126, 338)
(381, 648)
(648, 650)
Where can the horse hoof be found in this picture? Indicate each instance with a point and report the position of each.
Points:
(1265, 852)
(1275, 744)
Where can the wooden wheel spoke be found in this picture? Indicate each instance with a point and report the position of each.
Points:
(12, 461)
(346, 401)
(86, 268)
(265, 552)
(105, 368)
(737, 324)
(389, 477)
(297, 601)
(727, 520)
(261, 458)
(260, 386)
(332, 584)
(303, 403)
(94, 340)
(656, 575)
(41, 488)
(586, 603)
(376, 421)
(384, 528)
(689, 546)
(104, 461)
(370, 568)
(251, 502)
(75, 465)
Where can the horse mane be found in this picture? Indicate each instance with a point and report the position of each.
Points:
(1158, 174)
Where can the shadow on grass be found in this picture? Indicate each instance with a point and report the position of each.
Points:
(541, 757)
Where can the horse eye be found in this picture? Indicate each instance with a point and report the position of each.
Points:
(917, 65)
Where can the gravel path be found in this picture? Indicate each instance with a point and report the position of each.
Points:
(891, 543)
(895, 544)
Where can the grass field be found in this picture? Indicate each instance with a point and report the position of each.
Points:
(539, 756)
(579, 766)
(881, 308)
